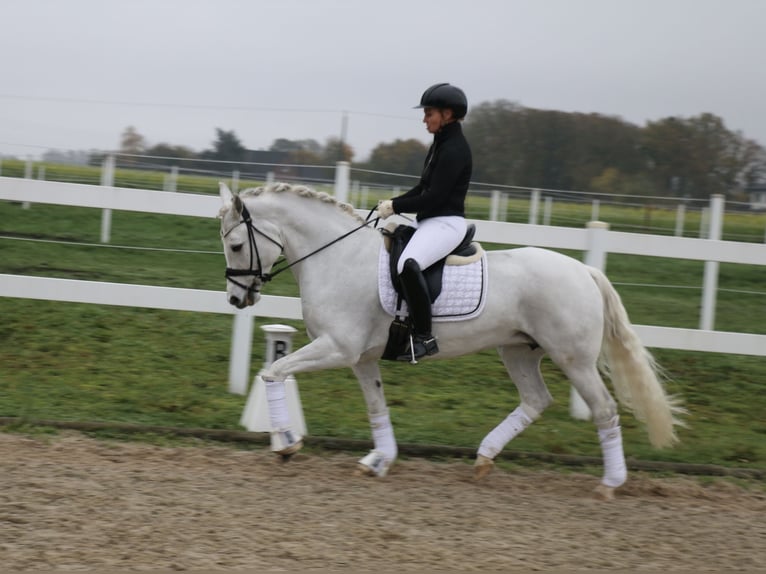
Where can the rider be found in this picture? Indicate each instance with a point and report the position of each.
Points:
(439, 202)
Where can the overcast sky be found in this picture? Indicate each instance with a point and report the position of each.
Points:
(75, 73)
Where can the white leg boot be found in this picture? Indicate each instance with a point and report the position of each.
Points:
(496, 440)
(615, 469)
(379, 460)
(284, 440)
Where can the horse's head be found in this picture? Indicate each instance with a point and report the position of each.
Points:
(250, 247)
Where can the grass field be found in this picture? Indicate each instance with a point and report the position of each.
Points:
(89, 362)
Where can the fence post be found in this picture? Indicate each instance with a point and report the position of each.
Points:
(547, 210)
(594, 209)
(342, 179)
(595, 256)
(255, 417)
(28, 167)
(235, 181)
(680, 213)
(710, 280)
(704, 223)
(171, 179)
(494, 205)
(107, 179)
(534, 206)
(239, 361)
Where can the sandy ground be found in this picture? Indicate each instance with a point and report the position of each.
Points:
(71, 503)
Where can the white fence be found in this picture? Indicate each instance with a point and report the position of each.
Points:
(596, 241)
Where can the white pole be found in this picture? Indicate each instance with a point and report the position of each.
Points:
(235, 181)
(594, 208)
(503, 215)
(173, 178)
(680, 213)
(239, 361)
(710, 281)
(494, 205)
(255, 417)
(547, 210)
(28, 167)
(342, 179)
(269, 178)
(107, 179)
(595, 256)
(704, 226)
(534, 206)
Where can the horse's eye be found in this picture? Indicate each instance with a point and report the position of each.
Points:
(237, 247)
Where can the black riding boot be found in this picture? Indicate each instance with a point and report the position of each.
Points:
(418, 300)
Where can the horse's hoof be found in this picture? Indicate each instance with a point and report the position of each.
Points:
(374, 464)
(285, 443)
(604, 492)
(482, 467)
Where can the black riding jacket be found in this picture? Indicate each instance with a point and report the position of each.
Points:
(444, 182)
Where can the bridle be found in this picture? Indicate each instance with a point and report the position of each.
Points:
(255, 256)
(231, 273)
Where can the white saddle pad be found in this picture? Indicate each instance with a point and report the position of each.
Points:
(464, 290)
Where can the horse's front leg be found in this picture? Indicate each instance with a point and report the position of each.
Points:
(320, 354)
(384, 452)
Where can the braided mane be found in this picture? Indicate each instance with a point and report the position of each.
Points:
(302, 191)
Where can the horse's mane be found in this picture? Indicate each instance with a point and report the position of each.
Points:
(303, 191)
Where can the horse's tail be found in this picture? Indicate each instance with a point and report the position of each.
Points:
(634, 373)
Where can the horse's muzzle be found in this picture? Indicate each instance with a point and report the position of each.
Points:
(251, 298)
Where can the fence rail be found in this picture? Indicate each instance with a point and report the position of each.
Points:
(596, 241)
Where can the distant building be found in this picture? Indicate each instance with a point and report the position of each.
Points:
(757, 196)
(260, 163)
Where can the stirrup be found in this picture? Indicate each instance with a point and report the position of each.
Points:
(420, 346)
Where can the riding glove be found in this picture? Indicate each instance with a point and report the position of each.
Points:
(385, 209)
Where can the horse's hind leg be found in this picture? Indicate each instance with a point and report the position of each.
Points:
(384, 452)
(588, 382)
(523, 365)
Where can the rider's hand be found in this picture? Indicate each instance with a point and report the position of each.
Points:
(385, 209)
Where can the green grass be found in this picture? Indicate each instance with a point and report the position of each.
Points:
(110, 363)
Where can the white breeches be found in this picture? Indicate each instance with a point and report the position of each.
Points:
(434, 239)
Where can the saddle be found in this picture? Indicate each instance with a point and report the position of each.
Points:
(396, 240)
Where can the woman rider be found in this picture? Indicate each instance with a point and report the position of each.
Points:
(439, 202)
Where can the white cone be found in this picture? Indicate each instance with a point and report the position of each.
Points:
(255, 416)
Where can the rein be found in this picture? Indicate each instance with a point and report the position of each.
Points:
(265, 277)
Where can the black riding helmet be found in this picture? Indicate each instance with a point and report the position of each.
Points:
(445, 96)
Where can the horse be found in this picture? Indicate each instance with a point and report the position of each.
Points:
(538, 302)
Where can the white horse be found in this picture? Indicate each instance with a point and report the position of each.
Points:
(538, 302)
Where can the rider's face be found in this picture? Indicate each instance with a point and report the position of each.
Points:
(435, 119)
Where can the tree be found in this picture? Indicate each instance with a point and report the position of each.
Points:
(131, 143)
(398, 157)
(699, 156)
(545, 148)
(336, 150)
(226, 147)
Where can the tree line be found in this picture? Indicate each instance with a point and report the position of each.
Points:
(518, 146)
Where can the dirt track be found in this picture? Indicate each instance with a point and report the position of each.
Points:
(71, 503)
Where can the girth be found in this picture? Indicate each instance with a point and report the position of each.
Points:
(397, 241)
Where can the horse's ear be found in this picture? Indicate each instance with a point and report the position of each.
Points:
(225, 193)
